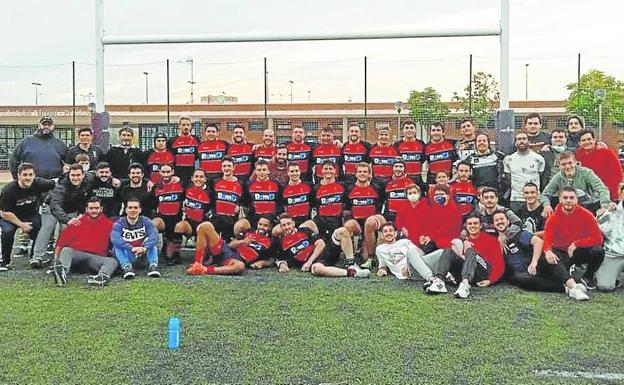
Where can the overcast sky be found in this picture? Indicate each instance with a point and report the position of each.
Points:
(39, 40)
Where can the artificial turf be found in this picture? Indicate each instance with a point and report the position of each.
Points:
(265, 328)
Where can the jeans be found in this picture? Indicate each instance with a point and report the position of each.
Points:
(127, 258)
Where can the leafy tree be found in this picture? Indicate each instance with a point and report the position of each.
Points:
(484, 94)
(426, 107)
(585, 101)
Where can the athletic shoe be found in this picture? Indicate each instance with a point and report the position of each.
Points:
(60, 274)
(368, 264)
(349, 262)
(577, 272)
(426, 285)
(152, 271)
(577, 293)
(450, 279)
(463, 291)
(50, 249)
(190, 243)
(98, 279)
(589, 283)
(4, 267)
(128, 272)
(437, 287)
(196, 268)
(35, 263)
(582, 287)
(357, 272)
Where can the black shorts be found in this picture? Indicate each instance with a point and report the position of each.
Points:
(194, 225)
(224, 226)
(170, 223)
(326, 226)
(226, 255)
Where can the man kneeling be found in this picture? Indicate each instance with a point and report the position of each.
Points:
(84, 246)
(303, 247)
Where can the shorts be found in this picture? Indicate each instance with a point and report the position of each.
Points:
(194, 225)
(170, 223)
(331, 254)
(227, 255)
(326, 226)
(224, 225)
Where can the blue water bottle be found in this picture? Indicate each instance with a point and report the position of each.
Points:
(174, 333)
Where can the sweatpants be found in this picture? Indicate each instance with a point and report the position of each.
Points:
(48, 224)
(539, 282)
(8, 236)
(474, 268)
(592, 256)
(609, 271)
(395, 257)
(127, 258)
(81, 261)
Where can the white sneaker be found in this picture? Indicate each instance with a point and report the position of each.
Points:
(581, 287)
(463, 291)
(357, 272)
(577, 293)
(437, 286)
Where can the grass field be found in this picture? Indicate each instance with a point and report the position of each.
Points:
(263, 328)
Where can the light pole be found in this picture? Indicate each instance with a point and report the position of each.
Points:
(526, 81)
(308, 96)
(291, 90)
(601, 94)
(191, 82)
(146, 87)
(398, 105)
(37, 85)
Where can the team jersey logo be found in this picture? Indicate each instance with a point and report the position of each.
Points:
(298, 156)
(297, 199)
(226, 196)
(397, 194)
(186, 150)
(168, 198)
(363, 201)
(260, 196)
(322, 160)
(383, 161)
(353, 158)
(299, 246)
(211, 155)
(193, 204)
(469, 199)
(441, 156)
(331, 199)
(411, 157)
(240, 158)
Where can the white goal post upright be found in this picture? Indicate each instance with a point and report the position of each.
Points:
(502, 30)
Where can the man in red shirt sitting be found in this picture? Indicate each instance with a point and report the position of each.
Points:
(602, 161)
(572, 237)
(84, 247)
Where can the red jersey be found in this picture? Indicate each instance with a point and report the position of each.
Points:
(170, 197)
(396, 195)
(413, 153)
(330, 200)
(265, 152)
(488, 248)
(154, 161)
(323, 153)
(300, 153)
(465, 195)
(227, 196)
(184, 149)
(260, 247)
(211, 152)
(242, 155)
(298, 246)
(382, 159)
(196, 204)
(264, 197)
(90, 236)
(296, 198)
(354, 153)
(364, 201)
(440, 156)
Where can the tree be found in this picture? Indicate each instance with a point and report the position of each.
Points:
(426, 107)
(585, 101)
(484, 94)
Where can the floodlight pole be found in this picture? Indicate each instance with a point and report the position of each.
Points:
(99, 56)
(504, 55)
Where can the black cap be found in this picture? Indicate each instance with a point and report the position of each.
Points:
(46, 118)
(160, 135)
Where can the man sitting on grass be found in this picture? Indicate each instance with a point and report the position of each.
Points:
(135, 238)
(611, 224)
(84, 246)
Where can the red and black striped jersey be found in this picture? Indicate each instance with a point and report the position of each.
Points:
(184, 149)
(354, 153)
(196, 203)
(413, 153)
(323, 153)
(465, 195)
(440, 156)
(297, 246)
(264, 197)
(297, 199)
(396, 196)
(227, 197)
(261, 247)
(300, 153)
(170, 196)
(382, 159)
(265, 152)
(329, 200)
(211, 152)
(364, 201)
(154, 161)
(242, 155)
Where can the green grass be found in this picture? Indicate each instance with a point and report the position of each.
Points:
(263, 328)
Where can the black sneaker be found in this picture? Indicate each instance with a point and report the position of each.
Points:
(589, 283)
(348, 262)
(60, 275)
(35, 263)
(4, 267)
(152, 271)
(129, 273)
(98, 279)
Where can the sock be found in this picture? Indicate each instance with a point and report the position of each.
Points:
(351, 273)
(199, 255)
(216, 249)
(210, 270)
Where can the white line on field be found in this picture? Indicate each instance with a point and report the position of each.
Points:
(589, 375)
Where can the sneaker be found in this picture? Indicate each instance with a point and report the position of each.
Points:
(463, 291)
(348, 262)
(437, 287)
(368, 264)
(190, 243)
(98, 279)
(128, 273)
(152, 271)
(50, 249)
(589, 283)
(60, 275)
(357, 272)
(450, 279)
(577, 272)
(35, 263)
(577, 293)
(4, 267)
